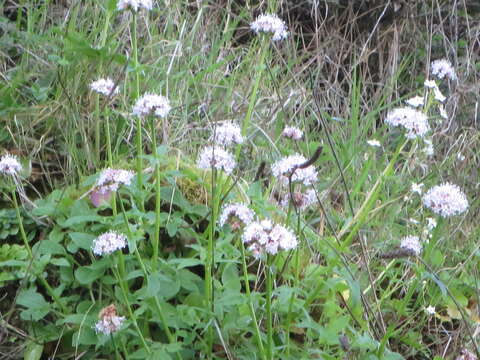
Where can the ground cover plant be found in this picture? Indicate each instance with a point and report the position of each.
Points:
(239, 180)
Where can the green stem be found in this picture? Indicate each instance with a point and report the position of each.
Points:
(110, 157)
(120, 275)
(40, 278)
(258, 336)
(209, 263)
(139, 119)
(359, 219)
(296, 284)
(97, 128)
(158, 307)
(268, 272)
(109, 140)
(156, 238)
(253, 96)
(135, 54)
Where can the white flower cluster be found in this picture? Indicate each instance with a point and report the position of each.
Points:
(431, 84)
(236, 215)
(216, 157)
(415, 101)
(446, 200)
(108, 242)
(270, 23)
(227, 133)
(109, 321)
(9, 165)
(263, 236)
(374, 143)
(411, 243)
(152, 104)
(283, 168)
(443, 68)
(415, 122)
(301, 200)
(292, 133)
(111, 179)
(134, 5)
(104, 87)
(416, 188)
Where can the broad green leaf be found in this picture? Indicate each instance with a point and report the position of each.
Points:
(230, 278)
(85, 275)
(81, 241)
(33, 351)
(36, 306)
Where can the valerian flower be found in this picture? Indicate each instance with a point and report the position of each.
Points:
(108, 243)
(9, 165)
(412, 244)
(443, 68)
(152, 104)
(415, 101)
(109, 322)
(292, 132)
(266, 237)
(289, 166)
(217, 158)
(134, 5)
(227, 133)
(446, 200)
(270, 23)
(105, 87)
(237, 215)
(414, 122)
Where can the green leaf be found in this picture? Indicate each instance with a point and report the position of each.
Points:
(230, 278)
(60, 262)
(162, 285)
(185, 262)
(36, 306)
(81, 241)
(86, 274)
(81, 219)
(33, 351)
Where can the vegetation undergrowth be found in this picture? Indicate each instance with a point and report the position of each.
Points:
(239, 180)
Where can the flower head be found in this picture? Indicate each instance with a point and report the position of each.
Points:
(430, 310)
(428, 150)
(415, 101)
(108, 243)
(446, 200)
(227, 133)
(411, 243)
(292, 133)
(263, 236)
(437, 94)
(374, 143)
(270, 23)
(104, 87)
(284, 167)
(301, 200)
(237, 215)
(416, 188)
(111, 179)
(109, 321)
(415, 122)
(431, 84)
(134, 5)
(216, 157)
(9, 165)
(152, 104)
(443, 68)
(431, 224)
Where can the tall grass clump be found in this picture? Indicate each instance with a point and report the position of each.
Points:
(239, 180)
